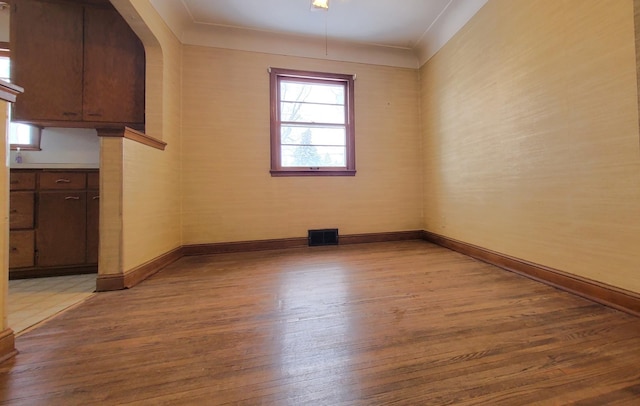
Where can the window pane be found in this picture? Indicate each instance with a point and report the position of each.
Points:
(4, 68)
(313, 136)
(311, 113)
(312, 156)
(312, 92)
(311, 123)
(20, 133)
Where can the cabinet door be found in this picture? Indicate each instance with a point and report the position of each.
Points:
(21, 210)
(46, 59)
(61, 232)
(114, 69)
(21, 249)
(93, 180)
(93, 215)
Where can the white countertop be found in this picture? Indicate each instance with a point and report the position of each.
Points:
(54, 166)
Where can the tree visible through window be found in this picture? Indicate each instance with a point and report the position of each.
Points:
(312, 123)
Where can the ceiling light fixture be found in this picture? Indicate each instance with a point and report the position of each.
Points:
(320, 5)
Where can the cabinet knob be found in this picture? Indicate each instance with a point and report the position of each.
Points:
(69, 113)
(63, 181)
(96, 197)
(72, 198)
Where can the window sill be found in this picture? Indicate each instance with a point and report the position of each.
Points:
(318, 172)
(24, 147)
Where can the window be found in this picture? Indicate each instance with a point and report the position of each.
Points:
(21, 136)
(312, 124)
(24, 137)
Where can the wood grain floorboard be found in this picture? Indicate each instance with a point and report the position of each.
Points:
(403, 323)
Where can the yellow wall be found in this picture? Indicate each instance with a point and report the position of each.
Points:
(228, 193)
(531, 145)
(151, 178)
(4, 218)
(520, 135)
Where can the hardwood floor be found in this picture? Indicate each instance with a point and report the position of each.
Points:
(406, 323)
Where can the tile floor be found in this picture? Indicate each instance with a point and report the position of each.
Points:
(34, 300)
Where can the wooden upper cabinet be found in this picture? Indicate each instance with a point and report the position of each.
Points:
(80, 63)
(114, 69)
(46, 59)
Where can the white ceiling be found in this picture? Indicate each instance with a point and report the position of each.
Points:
(394, 32)
(389, 23)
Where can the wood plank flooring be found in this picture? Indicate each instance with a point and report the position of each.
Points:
(406, 323)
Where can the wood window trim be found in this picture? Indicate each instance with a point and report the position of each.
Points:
(277, 169)
(4, 49)
(9, 91)
(25, 147)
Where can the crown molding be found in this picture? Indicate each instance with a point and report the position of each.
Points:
(300, 46)
(175, 14)
(457, 13)
(455, 16)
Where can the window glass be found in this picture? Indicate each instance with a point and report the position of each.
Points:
(5, 68)
(312, 129)
(23, 136)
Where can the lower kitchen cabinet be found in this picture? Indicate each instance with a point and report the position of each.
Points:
(54, 226)
(62, 228)
(21, 210)
(21, 248)
(93, 214)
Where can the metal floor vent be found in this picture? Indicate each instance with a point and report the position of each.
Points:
(328, 236)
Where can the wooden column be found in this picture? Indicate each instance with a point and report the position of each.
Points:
(8, 93)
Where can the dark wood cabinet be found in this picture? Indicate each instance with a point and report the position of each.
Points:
(22, 219)
(62, 180)
(114, 65)
(21, 248)
(80, 63)
(21, 210)
(54, 225)
(93, 216)
(46, 59)
(22, 180)
(62, 228)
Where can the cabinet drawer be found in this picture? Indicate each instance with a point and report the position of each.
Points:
(22, 180)
(93, 180)
(21, 248)
(62, 180)
(21, 209)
